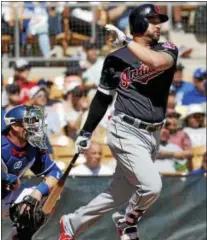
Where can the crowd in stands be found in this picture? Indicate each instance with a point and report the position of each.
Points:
(183, 137)
(44, 25)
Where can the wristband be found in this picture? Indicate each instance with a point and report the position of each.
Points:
(85, 134)
(43, 188)
(127, 41)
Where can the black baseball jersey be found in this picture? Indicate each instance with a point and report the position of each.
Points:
(142, 91)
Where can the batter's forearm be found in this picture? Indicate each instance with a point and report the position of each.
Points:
(97, 110)
(157, 60)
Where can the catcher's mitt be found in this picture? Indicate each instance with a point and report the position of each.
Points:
(32, 218)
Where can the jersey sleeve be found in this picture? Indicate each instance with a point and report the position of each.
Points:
(109, 79)
(170, 48)
(42, 163)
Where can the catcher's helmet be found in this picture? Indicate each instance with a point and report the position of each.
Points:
(138, 18)
(33, 120)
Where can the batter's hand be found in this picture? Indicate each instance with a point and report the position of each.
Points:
(83, 142)
(118, 37)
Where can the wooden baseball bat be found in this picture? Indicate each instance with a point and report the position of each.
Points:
(56, 191)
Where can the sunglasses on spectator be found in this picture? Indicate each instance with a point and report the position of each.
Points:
(79, 93)
(201, 79)
(197, 115)
(173, 115)
(168, 124)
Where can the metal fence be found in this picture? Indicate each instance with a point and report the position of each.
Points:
(33, 30)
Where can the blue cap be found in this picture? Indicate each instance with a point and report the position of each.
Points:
(14, 115)
(200, 73)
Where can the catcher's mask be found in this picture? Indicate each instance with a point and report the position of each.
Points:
(33, 120)
(34, 123)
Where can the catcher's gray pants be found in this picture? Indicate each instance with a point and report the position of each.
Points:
(135, 181)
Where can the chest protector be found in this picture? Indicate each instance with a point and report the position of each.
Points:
(17, 160)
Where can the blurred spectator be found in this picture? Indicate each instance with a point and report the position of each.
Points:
(13, 93)
(198, 93)
(4, 97)
(177, 17)
(90, 54)
(80, 21)
(93, 63)
(176, 135)
(119, 16)
(35, 22)
(171, 99)
(183, 51)
(179, 86)
(71, 110)
(194, 121)
(178, 26)
(22, 70)
(72, 74)
(7, 19)
(170, 158)
(47, 84)
(54, 21)
(39, 96)
(200, 23)
(93, 165)
(56, 31)
(203, 168)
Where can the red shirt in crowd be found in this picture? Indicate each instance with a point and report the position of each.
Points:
(181, 139)
(25, 89)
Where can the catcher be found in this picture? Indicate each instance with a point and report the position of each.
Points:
(24, 147)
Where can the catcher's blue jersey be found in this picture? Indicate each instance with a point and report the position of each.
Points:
(17, 160)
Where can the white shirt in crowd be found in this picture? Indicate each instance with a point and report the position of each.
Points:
(84, 170)
(196, 135)
(6, 11)
(93, 74)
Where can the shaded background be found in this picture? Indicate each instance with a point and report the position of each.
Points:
(179, 213)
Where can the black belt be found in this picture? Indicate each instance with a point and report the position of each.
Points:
(149, 127)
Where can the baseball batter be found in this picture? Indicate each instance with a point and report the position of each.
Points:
(141, 72)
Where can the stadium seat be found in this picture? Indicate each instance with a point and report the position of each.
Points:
(6, 41)
(71, 35)
(63, 148)
(56, 93)
(107, 155)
